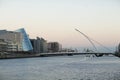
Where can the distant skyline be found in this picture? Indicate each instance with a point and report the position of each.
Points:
(55, 20)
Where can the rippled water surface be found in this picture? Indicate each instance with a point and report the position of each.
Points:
(61, 68)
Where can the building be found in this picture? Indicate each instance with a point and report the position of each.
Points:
(13, 40)
(119, 48)
(36, 45)
(54, 47)
(43, 45)
(69, 50)
(26, 44)
(39, 45)
(3, 45)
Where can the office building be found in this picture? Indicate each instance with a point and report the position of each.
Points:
(39, 45)
(13, 40)
(26, 44)
(119, 48)
(54, 47)
(3, 45)
(43, 45)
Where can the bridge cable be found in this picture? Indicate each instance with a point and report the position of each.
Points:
(87, 38)
(93, 40)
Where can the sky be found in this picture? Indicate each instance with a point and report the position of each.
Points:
(56, 20)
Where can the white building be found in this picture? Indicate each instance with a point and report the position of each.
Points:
(13, 40)
(39, 45)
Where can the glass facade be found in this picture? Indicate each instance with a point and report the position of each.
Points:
(26, 44)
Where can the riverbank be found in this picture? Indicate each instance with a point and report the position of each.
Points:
(11, 55)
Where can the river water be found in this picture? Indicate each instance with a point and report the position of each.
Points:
(77, 67)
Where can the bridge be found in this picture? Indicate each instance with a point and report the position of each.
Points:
(92, 42)
(96, 53)
(73, 53)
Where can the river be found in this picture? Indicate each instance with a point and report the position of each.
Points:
(77, 67)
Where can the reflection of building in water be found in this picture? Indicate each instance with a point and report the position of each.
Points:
(39, 45)
(13, 40)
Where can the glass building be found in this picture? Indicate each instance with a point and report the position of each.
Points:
(26, 44)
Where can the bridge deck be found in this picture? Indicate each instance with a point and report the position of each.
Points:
(70, 53)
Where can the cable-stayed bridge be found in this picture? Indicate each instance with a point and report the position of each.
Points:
(73, 53)
(92, 42)
(95, 53)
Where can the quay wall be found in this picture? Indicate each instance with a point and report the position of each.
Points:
(29, 55)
